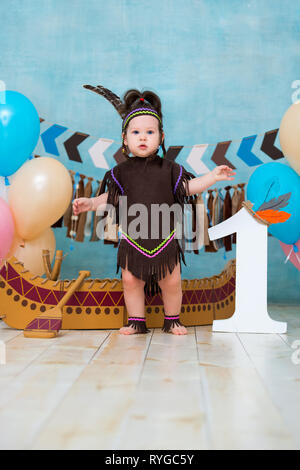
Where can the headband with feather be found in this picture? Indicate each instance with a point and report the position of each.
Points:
(119, 105)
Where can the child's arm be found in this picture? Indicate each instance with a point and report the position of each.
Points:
(84, 204)
(220, 173)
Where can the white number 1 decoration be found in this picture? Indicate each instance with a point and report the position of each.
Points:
(251, 312)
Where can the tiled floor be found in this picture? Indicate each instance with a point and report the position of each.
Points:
(101, 390)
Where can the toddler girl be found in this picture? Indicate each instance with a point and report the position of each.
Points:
(150, 181)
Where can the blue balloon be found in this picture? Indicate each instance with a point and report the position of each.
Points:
(19, 131)
(270, 181)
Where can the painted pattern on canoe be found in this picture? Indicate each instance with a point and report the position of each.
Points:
(99, 303)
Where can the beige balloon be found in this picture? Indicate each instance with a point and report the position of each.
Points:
(289, 136)
(30, 252)
(39, 194)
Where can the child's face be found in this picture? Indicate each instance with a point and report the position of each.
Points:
(142, 136)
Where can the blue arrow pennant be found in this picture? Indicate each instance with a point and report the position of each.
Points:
(245, 151)
(48, 137)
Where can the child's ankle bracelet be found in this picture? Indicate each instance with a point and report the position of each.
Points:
(138, 323)
(170, 321)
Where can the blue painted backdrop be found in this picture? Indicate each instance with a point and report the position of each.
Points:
(223, 69)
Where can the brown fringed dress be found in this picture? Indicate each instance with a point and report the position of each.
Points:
(149, 181)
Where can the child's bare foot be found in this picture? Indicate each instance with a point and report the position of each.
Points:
(128, 330)
(135, 325)
(178, 330)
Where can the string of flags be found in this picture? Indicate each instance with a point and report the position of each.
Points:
(198, 157)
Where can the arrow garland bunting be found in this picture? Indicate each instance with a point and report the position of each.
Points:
(198, 157)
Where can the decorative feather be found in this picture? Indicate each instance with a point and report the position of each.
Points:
(273, 216)
(109, 95)
(276, 203)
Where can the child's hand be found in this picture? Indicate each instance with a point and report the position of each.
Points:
(223, 173)
(82, 204)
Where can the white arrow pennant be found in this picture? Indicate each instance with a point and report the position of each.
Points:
(194, 159)
(97, 150)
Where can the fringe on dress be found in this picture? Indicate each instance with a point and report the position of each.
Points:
(182, 197)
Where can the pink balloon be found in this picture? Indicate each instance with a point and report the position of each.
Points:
(7, 229)
(294, 256)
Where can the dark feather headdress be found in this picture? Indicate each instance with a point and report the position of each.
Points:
(110, 96)
(120, 107)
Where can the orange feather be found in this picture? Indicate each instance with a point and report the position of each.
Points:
(274, 217)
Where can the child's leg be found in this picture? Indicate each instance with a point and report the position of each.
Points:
(172, 298)
(134, 297)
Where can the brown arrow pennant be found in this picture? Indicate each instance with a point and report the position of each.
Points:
(218, 156)
(72, 143)
(268, 146)
(173, 152)
(119, 156)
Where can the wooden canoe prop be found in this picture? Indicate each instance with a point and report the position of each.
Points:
(99, 303)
